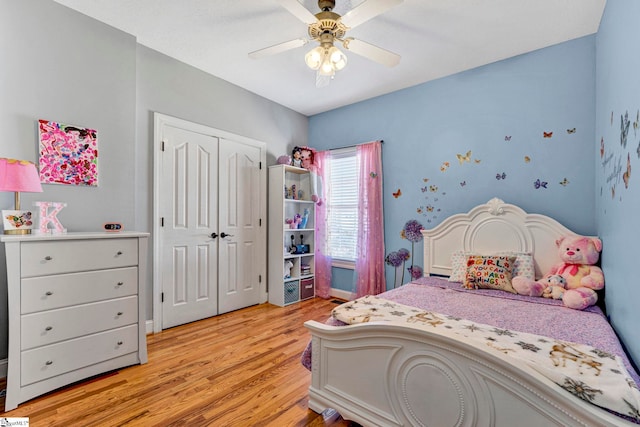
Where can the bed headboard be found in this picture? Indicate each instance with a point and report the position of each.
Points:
(492, 227)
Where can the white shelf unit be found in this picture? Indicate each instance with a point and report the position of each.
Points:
(300, 284)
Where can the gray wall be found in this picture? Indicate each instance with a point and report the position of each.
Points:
(171, 87)
(60, 65)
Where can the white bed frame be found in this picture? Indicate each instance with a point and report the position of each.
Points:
(387, 375)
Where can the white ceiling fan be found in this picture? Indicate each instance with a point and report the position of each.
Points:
(326, 27)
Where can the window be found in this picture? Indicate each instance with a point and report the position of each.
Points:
(342, 207)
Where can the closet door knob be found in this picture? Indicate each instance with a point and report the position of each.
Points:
(120, 342)
(223, 235)
(214, 235)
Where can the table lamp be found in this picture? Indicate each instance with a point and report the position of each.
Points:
(19, 176)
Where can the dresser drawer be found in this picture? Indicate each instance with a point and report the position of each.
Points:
(64, 290)
(52, 326)
(56, 359)
(46, 257)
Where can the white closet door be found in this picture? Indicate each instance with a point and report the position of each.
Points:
(240, 260)
(189, 255)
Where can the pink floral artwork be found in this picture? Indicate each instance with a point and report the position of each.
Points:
(68, 154)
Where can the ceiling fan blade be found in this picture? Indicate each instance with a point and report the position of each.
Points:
(371, 52)
(298, 10)
(278, 48)
(322, 81)
(367, 10)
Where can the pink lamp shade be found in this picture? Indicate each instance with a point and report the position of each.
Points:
(19, 175)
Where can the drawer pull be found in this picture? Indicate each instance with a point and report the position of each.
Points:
(48, 293)
(120, 342)
(48, 328)
(48, 258)
(49, 362)
(119, 253)
(120, 313)
(120, 284)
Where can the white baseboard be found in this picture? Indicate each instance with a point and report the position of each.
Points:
(339, 293)
(334, 293)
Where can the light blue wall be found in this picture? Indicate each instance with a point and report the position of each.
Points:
(618, 93)
(499, 113)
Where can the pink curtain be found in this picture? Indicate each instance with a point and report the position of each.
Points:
(370, 249)
(322, 258)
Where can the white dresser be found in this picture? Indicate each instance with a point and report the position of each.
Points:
(76, 308)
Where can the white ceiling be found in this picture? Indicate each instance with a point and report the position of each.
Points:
(435, 38)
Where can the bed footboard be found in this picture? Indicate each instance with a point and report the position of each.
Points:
(381, 374)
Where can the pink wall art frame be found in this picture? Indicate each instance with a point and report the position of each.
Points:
(68, 154)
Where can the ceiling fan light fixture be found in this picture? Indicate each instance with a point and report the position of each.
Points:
(327, 68)
(337, 58)
(326, 60)
(314, 58)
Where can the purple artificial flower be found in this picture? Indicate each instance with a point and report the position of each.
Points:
(415, 271)
(404, 253)
(394, 259)
(412, 231)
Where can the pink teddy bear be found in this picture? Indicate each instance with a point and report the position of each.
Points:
(582, 277)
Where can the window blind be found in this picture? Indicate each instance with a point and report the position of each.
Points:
(343, 205)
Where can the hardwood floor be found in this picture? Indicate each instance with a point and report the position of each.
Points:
(237, 369)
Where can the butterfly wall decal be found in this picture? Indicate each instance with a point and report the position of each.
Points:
(397, 193)
(547, 134)
(425, 179)
(433, 188)
(624, 129)
(501, 176)
(463, 183)
(539, 184)
(444, 166)
(570, 131)
(507, 138)
(465, 158)
(627, 174)
(564, 182)
(527, 159)
(419, 210)
(424, 189)
(477, 161)
(636, 123)
(602, 147)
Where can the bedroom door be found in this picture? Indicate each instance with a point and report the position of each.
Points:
(189, 215)
(239, 218)
(210, 256)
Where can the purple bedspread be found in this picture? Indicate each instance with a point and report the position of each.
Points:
(533, 315)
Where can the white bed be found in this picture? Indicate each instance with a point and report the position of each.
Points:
(381, 374)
